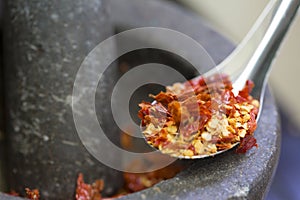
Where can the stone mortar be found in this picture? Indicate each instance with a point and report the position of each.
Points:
(226, 176)
(45, 43)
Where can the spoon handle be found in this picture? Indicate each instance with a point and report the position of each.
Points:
(258, 67)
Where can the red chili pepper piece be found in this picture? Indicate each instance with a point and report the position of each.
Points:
(32, 194)
(246, 143)
(88, 192)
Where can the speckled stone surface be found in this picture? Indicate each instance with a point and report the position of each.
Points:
(2, 142)
(45, 43)
(227, 176)
(2, 160)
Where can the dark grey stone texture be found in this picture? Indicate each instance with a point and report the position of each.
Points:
(2, 146)
(226, 176)
(45, 43)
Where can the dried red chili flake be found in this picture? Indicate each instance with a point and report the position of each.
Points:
(32, 194)
(247, 89)
(203, 116)
(29, 194)
(164, 98)
(246, 143)
(88, 192)
(174, 108)
(133, 182)
(145, 109)
(13, 193)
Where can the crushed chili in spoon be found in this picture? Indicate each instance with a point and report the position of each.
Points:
(200, 117)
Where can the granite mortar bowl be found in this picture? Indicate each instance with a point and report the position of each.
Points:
(226, 176)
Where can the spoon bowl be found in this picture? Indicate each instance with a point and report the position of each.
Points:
(252, 59)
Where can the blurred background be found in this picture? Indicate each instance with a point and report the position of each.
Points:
(234, 18)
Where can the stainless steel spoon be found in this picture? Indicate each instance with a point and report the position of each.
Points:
(252, 59)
